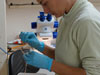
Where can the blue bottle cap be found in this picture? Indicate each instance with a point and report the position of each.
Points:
(41, 13)
(56, 24)
(49, 17)
(42, 18)
(34, 25)
(38, 17)
(55, 34)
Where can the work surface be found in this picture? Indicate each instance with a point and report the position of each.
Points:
(31, 74)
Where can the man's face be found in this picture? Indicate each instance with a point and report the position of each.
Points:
(55, 7)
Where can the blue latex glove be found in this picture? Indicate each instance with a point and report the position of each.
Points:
(38, 60)
(31, 39)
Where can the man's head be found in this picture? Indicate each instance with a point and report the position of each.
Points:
(56, 7)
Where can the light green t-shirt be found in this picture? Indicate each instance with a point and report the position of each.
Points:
(78, 41)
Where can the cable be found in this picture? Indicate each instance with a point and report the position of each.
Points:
(4, 51)
(25, 62)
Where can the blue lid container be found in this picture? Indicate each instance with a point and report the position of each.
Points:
(34, 25)
(55, 35)
(56, 24)
(49, 17)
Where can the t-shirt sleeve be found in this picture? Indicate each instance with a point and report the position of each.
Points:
(88, 44)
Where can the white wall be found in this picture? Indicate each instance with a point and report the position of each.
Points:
(20, 18)
(96, 3)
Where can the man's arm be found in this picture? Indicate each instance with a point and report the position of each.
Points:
(49, 51)
(60, 68)
(42, 61)
(63, 69)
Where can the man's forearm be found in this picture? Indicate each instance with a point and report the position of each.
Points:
(49, 51)
(63, 69)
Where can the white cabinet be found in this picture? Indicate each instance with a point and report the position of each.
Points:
(3, 38)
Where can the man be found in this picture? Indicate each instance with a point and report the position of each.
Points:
(77, 49)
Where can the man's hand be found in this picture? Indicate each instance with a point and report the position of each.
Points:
(31, 39)
(38, 60)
